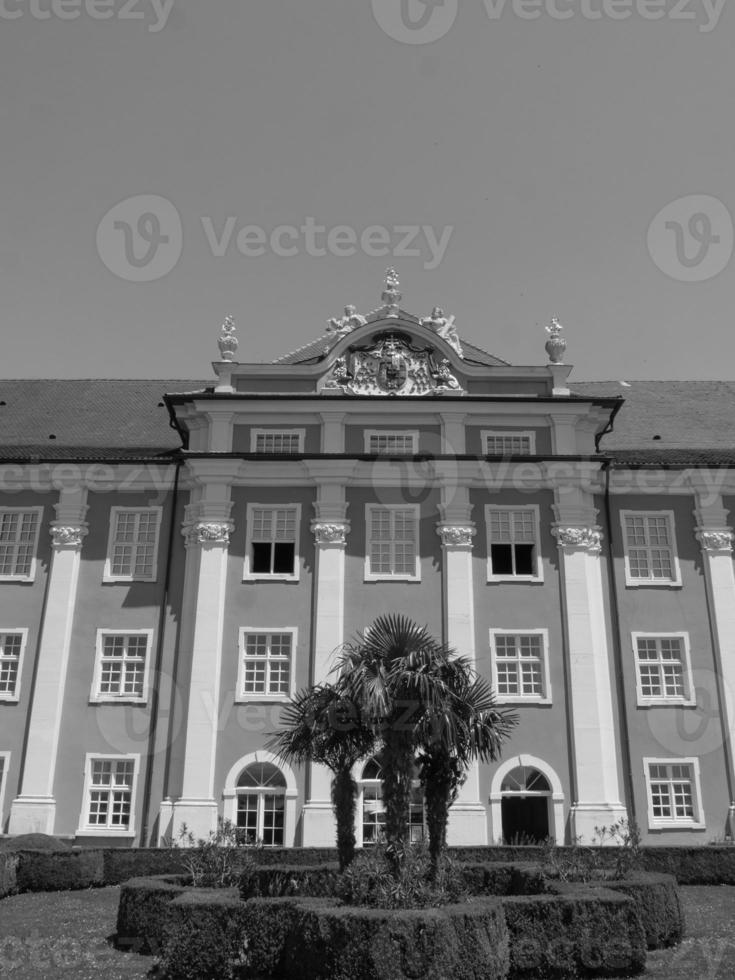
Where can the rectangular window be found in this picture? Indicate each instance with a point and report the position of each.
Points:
(392, 543)
(520, 665)
(12, 646)
(277, 441)
(121, 669)
(396, 443)
(513, 549)
(674, 792)
(109, 795)
(4, 766)
(271, 545)
(650, 555)
(133, 544)
(663, 668)
(508, 443)
(18, 542)
(266, 663)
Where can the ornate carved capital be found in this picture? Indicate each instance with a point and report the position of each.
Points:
(459, 535)
(329, 533)
(719, 539)
(581, 538)
(68, 535)
(207, 532)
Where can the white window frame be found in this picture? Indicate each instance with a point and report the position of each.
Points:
(665, 700)
(38, 511)
(545, 697)
(255, 433)
(5, 758)
(242, 696)
(371, 576)
(86, 829)
(508, 434)
(97, 696)
(675, 823)
(538, 575)
(413, 434)
(13, 698)
(249, 576)
(631, 580)
(108, 574)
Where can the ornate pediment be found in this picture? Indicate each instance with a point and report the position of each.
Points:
(391, 365)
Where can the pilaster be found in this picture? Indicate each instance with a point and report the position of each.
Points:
(34, 809)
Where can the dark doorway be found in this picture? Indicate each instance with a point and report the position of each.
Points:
(525, 819)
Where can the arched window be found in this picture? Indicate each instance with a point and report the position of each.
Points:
(261, 802)
(525, 780)
(372, 807)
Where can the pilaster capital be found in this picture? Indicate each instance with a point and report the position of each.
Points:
(68, 536)
(456, 535)
(574, 537)
(712, 539)
(207, 532)
(332, 532)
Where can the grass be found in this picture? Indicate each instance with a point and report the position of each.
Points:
(67, 934)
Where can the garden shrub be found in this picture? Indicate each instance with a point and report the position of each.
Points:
(658, 904)
(8, 866)
(578, 932)
(122, 864)
(282, 880)
(35, 842)
(50, 871)
(503, 879)
(141, 913)
(203, 935)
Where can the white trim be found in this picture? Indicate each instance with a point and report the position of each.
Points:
(674, 823)
(85, 829)
(556, 797)
(5, 757)
(96, 697)
(371, 576)
(107, 575)
(229, 792)
(538, 575)
(247, 575)
(508, 434)
(23, 633)
(545, 673)
(38, 511)
(241, 696)
(413, 434)
(633, 581)
(254, 433)
(645, 701)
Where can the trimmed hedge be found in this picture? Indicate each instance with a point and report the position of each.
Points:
(659, 906)
(204, 935)
(8, 877)
(53, 871)
(121, 864)
(582, 932)
(283, 880)
(142, 912)
(504, 879)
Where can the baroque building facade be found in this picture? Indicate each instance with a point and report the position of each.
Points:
(177, 559)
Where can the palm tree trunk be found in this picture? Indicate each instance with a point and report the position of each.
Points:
(344, 796)
(396, 760)
(437, 796)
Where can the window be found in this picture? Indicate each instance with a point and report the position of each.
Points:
(392, 543)
(18, 543)
(513, 549)
(271, 545)
(520, 665)
(12, 646)
(266, 663)
(372, 807)
(277, 441)
(120, 672)
(261, 804)
(400, 442)
(663, 669)
(674, 793)
(650, 557)
(508, 443)
(133, 544)
(109, 795)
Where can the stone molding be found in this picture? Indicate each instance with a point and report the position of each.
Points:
(208, 532)
(65, 535)
(582, 538)
(456, 535)
(715, 539)
(330, 532)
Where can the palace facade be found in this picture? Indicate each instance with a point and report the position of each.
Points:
(177, 558)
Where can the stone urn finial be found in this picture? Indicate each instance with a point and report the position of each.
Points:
(392, 293)
(555, 345)
(228, 342)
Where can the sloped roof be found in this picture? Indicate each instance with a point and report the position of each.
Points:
(316, 349)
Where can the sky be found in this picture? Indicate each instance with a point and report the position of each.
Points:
(164, 163)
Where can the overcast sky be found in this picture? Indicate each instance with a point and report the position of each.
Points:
(512, 165)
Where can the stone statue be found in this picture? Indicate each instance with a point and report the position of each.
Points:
(340, 327)
(443, 327)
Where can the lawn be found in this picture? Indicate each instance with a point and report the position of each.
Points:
(65, 934)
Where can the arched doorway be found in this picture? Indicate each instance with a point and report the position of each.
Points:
(525, 797)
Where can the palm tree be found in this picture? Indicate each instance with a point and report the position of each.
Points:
(419, 696)
(320, 724)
